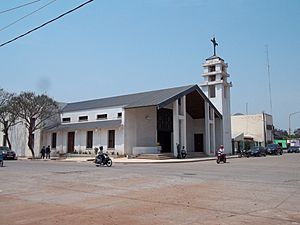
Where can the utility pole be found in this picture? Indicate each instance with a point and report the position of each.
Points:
(269, 79)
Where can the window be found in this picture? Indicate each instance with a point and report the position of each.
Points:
(101, 116)
(111, 139)
(212, 69)
(83, 118)
(212, 91)
(212, 78)
(66, 120)
(53, 140)
(119, 115)
(89, 139)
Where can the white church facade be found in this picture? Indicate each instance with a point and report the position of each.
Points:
(148, 122)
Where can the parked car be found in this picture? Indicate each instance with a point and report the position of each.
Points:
(274, 149)
(256, 151)
(293, 149)
(7, 153)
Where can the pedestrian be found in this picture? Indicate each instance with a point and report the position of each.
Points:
(178, 151)
(43, 151)
(48, 152)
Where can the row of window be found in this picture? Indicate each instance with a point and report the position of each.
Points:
(89, 139)
(213, 68)
(85, 118)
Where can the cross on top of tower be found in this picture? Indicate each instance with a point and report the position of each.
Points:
(214, 44)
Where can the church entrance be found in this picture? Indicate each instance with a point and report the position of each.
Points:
(164, 138)
(165, 129)
(198, 142)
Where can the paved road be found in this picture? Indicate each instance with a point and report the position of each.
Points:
(244, 191)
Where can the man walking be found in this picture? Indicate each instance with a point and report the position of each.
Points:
(43, 151)
(48, 152)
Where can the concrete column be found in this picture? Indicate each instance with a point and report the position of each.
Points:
(213, 137)
(184, 123)
(175, 127)
(207, 130)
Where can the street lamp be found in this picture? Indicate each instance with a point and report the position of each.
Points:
(290, 121)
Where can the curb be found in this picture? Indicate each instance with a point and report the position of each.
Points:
(135, 161)
(172, 160)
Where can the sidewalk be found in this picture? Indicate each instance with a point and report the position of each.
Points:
(125, 160)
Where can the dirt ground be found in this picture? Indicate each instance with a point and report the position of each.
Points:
(68, 198)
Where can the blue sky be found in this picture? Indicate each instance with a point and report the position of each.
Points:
(117, 47)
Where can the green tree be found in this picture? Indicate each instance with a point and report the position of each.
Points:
(34, 110)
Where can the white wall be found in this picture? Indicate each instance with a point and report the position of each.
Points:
(100, 138)
(252, 125)
(140, 128)
(112, 113)
(18, 135)
(194, 126)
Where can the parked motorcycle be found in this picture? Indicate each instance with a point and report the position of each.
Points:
(181, 153)
(221, 157)
(103, 159)
(243, 153)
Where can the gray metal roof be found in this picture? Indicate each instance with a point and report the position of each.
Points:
(159, 98)
(85, 125)
(128, 101)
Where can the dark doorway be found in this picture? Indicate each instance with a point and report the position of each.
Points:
(198, 142)
(164, 138)
(165, 129)
(71, 140)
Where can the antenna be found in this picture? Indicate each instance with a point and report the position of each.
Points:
(269, 79)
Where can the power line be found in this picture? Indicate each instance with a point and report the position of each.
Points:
(44, 24)
(20, 6)
(29, 14)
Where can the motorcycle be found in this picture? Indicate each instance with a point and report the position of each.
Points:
(243, 153)
(183, 153)
(103, 159)
(221, 157)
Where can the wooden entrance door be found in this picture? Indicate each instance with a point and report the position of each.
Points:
(71, 141)
(198, 142)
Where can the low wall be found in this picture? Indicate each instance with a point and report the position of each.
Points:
(145, 150)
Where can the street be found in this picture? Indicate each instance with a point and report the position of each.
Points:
(262, 190)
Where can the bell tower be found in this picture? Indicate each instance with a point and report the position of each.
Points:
(217, 88)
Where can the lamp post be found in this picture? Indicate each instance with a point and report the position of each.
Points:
(290, 121)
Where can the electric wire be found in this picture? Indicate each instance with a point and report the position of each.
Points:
(46, 23)
(29, 14)
(20, 6)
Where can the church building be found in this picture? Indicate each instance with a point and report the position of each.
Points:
(197, 117)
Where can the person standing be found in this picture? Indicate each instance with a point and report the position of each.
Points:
(48, 152)
(43, 151)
